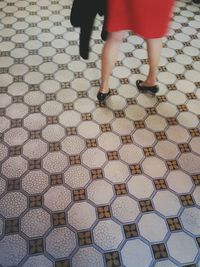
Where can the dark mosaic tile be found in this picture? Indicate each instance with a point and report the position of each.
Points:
(36, 246)
(34, 109)
(160, 184)
(112, 259)
(146, 205)
(139, 124)
(15, 151)
(86, 116)
(162, 69)
(58, 218)
(182, 108)
(186, 200)
(171, 87)
(11, 226)
(112, 155)
(71, 131)
(50, 97)
(191, 96)
(35, 201)
(171, 59)
(126, 139)
(128, 54)
(95, 83)
(184, 148)
(135, 169)
(54, 147)
(149, 151)
(2, 111)
(160, 136)
(103, 212)
(120, 189)
(105, 128)
(188, 67)
(78, 75)
(100, 104)
(196, 58)
(56, 179)
(198, 241)
(65, 67)
(3, 89)
(97, 174)
(180, 76)
(194, 132)
(161, 98)
(135, 71)
(91, 143)
(82, 94)
(13, 184)
(35, 134)
(196, 179)
(119, 114)
(75, 160)
(131, 101)
(151, 111)
(65, 85)
(52, 120)
(130, 230)
(85, 238)
(144, 61)
(172, 121)
(16, 123)
(68, 106)
(174, 224)
(159, 251)
(35, 164)
(34, 87)
(113, 92)
(172, 165)
(91, 65)
(124, 81)
(79, 194)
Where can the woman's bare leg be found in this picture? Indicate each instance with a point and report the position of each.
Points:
(154, 47)
(109, 57)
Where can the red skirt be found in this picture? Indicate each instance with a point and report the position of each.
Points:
(148, 18)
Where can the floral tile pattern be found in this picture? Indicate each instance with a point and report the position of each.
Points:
(89, 184)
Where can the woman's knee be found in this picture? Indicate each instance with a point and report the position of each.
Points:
(117, 36)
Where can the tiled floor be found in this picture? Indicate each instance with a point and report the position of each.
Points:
(84, 184)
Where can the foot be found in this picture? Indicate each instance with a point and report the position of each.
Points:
(101, 96)
(142, 88)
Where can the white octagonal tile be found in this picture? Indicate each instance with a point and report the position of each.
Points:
(87, 257)
(182, 247)
(13, 250)
(81, 216)
(140, 186)
(166, 203)
(139, 251)
(57, 198)
(152, 227)
(100, 192)
(125, 209)
(35, 222)
(108, 235)
(116, 171)
(60, 242)
(191, 220)
(179, 181)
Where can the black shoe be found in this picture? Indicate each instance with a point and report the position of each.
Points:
(151, 90)
(102, 96)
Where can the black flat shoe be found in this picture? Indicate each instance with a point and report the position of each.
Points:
(102, 96)
(150, 90)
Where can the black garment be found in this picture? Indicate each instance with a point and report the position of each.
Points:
(82, 15)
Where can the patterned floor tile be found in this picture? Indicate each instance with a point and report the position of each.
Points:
(85, 183)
